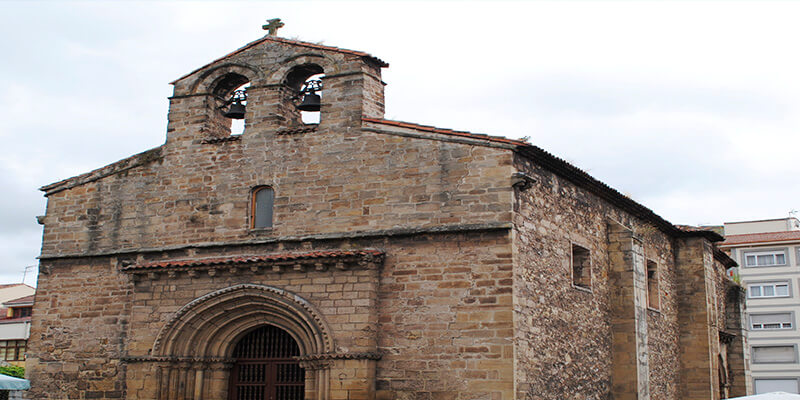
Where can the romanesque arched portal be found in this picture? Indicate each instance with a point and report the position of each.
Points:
(199, 344)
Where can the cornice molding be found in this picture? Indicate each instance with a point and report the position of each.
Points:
(277, 263)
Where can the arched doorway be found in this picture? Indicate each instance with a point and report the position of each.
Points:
(207, 330)
(265, 367)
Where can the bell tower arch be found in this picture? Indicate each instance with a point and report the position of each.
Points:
(276, 70)
(200, 112)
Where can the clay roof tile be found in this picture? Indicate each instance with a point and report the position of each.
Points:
(21, 300)
(765, 237)
(253, 259)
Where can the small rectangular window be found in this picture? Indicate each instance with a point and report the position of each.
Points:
(263, 199)
(771, 321)
(21, 312)
(653, 300)
(13, 350)
(581, 267)
(766, 290)
(772, 258)
(776, 385)
(774, 354)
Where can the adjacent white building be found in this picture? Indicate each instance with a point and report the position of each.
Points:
(768, 253)
(11, 291)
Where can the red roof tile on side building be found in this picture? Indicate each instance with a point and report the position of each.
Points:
(787, 236)
(20, 301)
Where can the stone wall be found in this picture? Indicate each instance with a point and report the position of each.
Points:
(439, 310)
(79, 332)
(732, 325)
(563, 333)
(331, 177)
(445, 319)
(698, 314)
(324, 182)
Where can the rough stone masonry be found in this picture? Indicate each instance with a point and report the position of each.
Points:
(402, 261)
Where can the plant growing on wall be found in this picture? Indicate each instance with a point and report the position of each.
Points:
(11, 370)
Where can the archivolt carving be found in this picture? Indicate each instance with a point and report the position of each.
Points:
(211, 325)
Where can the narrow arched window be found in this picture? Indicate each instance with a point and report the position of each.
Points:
(262, 203)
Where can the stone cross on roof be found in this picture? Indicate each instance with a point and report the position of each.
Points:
(272, 26)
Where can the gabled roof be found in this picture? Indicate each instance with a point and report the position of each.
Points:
(589, 183)
(450, 132)
(724, 258)
(275, 39)
(570, 172)
(125, 164)
(765, 237)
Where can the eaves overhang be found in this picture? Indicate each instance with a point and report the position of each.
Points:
(278, 262)
(585, 181)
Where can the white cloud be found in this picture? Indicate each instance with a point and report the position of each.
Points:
(692, 107)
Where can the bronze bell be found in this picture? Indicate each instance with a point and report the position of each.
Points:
(311, 102)
(236, 110)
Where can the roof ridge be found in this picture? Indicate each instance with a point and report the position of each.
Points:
(571, 172)
(359, 53)
(124, 164)
(583, 179)
(376, 60)
(761, 237)
(28, 298)
(444, 131)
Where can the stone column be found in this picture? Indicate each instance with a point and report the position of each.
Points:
(699, 335)
(216, 379)
(317, 382)
(630, 374)
(270, 108)
(738, 357)
(347, 97)
(198, 369)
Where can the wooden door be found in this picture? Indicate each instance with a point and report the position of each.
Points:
(265, 368)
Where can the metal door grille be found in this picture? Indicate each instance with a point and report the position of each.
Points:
(265, 369)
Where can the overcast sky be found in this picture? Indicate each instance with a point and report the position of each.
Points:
(692, 109)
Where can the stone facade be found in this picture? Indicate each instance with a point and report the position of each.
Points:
(408, 262)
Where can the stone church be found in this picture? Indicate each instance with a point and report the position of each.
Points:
(362, 258)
